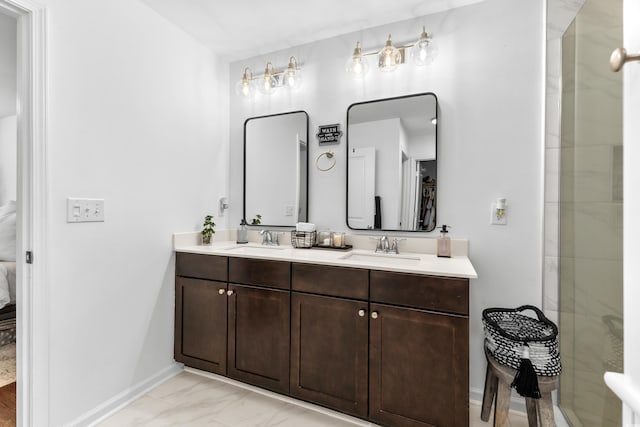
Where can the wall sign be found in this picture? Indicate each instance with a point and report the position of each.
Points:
(329, 134)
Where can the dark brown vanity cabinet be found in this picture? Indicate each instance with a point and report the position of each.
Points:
(389, 347)
(329, 337)
(259, 322)
(200, 338)
(418, 357)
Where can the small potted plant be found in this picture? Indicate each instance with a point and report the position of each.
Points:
(208, 230)
(257, 220)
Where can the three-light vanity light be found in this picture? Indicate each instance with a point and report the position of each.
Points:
(389, 57)
(270, 80)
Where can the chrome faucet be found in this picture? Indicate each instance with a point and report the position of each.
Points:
(382, 245)
(266, 237)
(394, 246)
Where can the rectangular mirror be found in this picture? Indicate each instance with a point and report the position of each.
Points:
(276, 158)
(392, 163)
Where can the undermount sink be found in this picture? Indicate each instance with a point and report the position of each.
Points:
(253, 249)
(391, 259)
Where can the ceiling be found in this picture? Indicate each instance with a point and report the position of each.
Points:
(242, 29)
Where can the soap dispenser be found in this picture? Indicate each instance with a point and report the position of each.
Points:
(242, 232)
(444, 243)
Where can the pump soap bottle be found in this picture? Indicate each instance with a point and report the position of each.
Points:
(242, 232)
(444, 243)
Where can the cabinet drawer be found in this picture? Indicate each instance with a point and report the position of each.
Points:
(446, 294)
(271, 274)
(201, 266)
(331, 281)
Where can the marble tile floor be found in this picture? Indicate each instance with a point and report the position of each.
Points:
(189, 399)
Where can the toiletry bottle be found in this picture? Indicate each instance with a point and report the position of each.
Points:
(444, 243)
(242, 232)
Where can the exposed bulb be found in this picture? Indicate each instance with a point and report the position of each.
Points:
(421, 51)
(269, 82)
(357, 65)
(389, 57)
(292, 77)
(245, 87)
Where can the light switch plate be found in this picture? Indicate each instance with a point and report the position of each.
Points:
(85, 210)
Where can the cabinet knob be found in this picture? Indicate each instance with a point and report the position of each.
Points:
(221, 291)
(229, 292)
(361, 313)
(374, 315)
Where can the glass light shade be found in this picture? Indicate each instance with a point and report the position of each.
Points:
(357, 65)
(292, 77)
(389, 57)
(421, 52)
(267, 84)
(245, 86)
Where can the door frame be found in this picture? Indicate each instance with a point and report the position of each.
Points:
(32, 358)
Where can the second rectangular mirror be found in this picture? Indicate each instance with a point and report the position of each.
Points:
(392, 163)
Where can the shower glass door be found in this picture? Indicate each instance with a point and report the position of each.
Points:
(591, 216)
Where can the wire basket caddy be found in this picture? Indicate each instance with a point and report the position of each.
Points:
(303, 239)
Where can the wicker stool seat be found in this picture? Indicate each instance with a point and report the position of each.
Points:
(497, 387)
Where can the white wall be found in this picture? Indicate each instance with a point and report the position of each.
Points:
(8, 159)
(137, 116)
(488, 76)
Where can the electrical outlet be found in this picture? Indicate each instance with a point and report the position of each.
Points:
(85, 210)
(288, 210)
(496, 219)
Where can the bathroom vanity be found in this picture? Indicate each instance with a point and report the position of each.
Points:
(381, 338)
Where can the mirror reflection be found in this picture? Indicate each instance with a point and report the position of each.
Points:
(276, 168)
(392, 164)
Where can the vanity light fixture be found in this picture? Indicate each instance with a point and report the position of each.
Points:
(390, 56)
(270, 80)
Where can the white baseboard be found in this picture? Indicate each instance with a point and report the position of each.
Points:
(108, 408)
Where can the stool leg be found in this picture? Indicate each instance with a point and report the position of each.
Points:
(490, 385)
(503, 398)
(545, 410)
(532, 412)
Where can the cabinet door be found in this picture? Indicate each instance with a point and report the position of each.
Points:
(329, 350)
(258, 339)
(419, 368)
(201, 324)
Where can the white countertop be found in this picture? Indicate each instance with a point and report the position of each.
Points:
(405, 262)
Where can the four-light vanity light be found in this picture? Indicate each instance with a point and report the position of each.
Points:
(389, 57)
(270, 80)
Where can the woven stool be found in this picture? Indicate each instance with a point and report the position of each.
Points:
(497, 386)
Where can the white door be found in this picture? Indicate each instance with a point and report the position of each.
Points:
(362, 189)
(627, 385)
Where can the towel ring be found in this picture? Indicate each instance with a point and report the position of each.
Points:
(329, 155)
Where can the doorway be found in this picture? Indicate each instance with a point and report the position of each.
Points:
(8, 202)
(31, 318)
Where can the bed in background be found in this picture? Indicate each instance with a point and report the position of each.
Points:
(8, 261)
